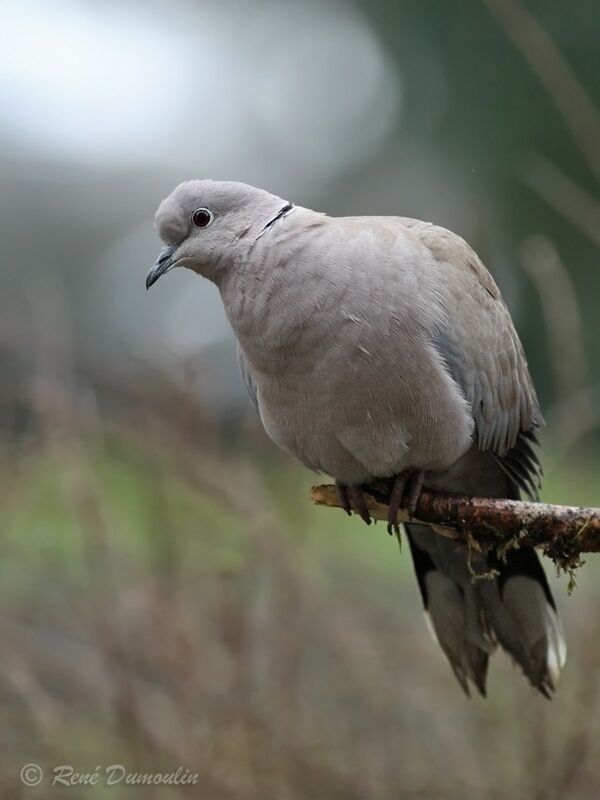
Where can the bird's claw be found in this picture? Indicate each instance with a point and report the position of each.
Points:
(342, 492)
(352, 497)
(405, 493)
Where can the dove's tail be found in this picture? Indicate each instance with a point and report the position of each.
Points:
(470, 612)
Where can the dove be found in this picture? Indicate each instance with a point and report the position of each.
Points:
(379, 350)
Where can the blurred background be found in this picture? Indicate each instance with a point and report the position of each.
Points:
(168, 596)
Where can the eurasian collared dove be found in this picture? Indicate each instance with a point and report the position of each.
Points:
(379, 348)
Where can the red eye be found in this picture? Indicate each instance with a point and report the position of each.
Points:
(202, 217)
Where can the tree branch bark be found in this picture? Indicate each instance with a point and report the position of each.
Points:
(562, 531)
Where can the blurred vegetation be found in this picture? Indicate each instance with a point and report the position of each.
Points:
(170, 599)
(167, 594)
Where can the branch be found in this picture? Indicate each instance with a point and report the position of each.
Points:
(562, 531)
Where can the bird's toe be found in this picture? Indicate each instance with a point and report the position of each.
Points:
(358, 501)
(395, 503)
(344, 498)
(412, 491)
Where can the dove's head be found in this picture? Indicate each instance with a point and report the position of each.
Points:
(207, 226)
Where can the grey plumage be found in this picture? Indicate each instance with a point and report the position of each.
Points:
(375, 345)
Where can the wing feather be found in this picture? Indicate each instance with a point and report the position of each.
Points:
(484, 356)
(247, 377)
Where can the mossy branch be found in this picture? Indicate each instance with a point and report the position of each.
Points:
(563, 532)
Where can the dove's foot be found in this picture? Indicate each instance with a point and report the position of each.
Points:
(412, 491)
(352, 497)
(344, 498)
(405, 493)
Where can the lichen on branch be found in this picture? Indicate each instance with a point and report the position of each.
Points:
(562, 532)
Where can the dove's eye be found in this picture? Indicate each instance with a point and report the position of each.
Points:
(202, 217)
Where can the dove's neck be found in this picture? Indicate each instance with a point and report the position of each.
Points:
(271, 292)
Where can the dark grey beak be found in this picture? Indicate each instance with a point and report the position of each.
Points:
(163, 264)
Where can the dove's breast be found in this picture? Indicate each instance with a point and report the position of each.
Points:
(359, 414)
(340, 349)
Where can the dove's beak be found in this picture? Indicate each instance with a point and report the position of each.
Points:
(163, 264)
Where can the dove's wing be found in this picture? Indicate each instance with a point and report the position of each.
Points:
(484, 355)
(479, 343)
(482, 351)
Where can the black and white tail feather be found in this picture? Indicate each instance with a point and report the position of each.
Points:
(470, 617)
